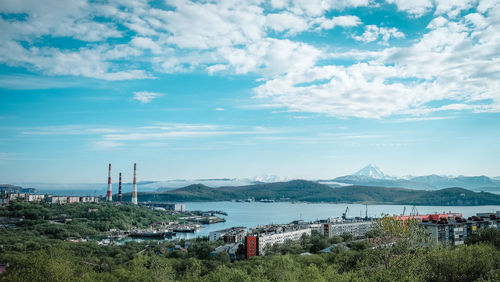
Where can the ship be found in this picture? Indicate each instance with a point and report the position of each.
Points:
(186, 228)
(151, 234)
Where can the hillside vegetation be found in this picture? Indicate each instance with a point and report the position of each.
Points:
(308, 191)
(32, 256)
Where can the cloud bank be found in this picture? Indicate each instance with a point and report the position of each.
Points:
(453, 65)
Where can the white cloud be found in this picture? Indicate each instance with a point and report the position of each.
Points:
(452, 8)
(416, 8)
(52, 61)
(146, 43)
(454, 60)
(271, 57)
(216, 68)
(214, 36)
(343, 21)
(286, 21)
(145, 96)
(373, 33)
(317, 7)
(455, 64)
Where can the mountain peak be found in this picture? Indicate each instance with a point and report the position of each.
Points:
(371, 171)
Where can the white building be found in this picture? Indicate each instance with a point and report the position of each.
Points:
(316, 227)
(176, 207)
(34, 198)
(267, 240)
(58, 200)
(356, 228)
(73, 199)
(15, 196)
(88, 199)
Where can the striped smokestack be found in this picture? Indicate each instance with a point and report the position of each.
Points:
(134, 192)
(120, 188)
(109, 196)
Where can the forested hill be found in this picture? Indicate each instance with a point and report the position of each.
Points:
(308, 191)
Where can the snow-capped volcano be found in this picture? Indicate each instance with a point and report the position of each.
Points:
(373, 172)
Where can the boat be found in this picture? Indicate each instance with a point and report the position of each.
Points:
(186, 228)
(151, 234)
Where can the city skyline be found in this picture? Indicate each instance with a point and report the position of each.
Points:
(298, 89)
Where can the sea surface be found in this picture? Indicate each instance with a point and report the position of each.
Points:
(254, 214)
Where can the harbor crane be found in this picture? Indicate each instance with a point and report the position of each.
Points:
(414, 211)
(344, 215)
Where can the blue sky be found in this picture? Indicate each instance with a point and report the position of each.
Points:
(206, 89)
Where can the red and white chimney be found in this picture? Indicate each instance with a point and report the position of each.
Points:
(134, 191)
(109, 195)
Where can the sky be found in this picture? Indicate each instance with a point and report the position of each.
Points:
(209, 89)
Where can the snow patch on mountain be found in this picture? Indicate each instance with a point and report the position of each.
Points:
(372, 171)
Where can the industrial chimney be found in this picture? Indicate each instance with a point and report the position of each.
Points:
(134, 192)
(109, 195)
(120, 188)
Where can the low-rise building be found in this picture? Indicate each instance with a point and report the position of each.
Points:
(14, 196)
(57, 200)
(4, 201)
(230, 249)
(34, 198)
(73, 199)
(89, 199)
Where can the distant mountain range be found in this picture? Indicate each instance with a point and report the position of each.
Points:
(370, 175)
(373, 176)
(310, 191)
(100, 188)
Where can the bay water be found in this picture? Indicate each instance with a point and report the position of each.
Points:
(256, 213)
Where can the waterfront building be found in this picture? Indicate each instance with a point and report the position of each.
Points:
(229, 235)
(357, 228)
(176, 207)
(167, 206)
